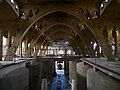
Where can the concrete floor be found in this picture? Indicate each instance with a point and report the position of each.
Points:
(60, 82)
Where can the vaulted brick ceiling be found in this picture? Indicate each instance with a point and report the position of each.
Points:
(110, 15)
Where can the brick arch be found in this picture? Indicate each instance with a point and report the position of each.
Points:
(67, 32)
(74, 13)
(100, 38)
(63, 36)
(40, 15)
(50, 26)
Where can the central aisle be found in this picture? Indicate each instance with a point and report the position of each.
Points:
(60, 82)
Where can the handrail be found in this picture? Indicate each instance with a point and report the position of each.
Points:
(15, 63)
(103, 68)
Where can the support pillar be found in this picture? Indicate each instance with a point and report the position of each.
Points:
(74, 84)
(9, 39)
(44, 84)
(53, 68)
(91, 51)
(72, 71)
(29, 52)
(66, 68)
(26, 46)
(118, 44)
(46, 70)
(1, 45)
(36, 51)
(21, 48)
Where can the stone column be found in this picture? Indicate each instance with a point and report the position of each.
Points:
(36, 50)
(74, 84)
(105, 47)
(44, 50)
(107, 52)
(53, 51)
(26, 46)
(118, 44)
(45, 69)
(41, 50)
(44, 84)
(21, 48)
(53, 66)
(9, 39)
(29, 52)
(72, 70)
(66, 67)
(91, 51)
(1, 45)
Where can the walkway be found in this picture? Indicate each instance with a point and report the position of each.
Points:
(60, 82)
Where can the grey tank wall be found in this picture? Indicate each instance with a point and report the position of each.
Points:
(82, 75)
(97, 80)
(16, 80)
(72, 70)
(34, 76)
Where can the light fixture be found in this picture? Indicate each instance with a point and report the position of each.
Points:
(23, 16)
(94, 45)
(12, 1)
(41, 46)
(36, 26)
(16, 6)
(106, 1)
(91, 42)
(23, 13)
(88, 18)
(102, 5)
